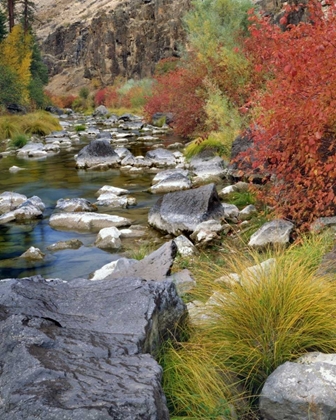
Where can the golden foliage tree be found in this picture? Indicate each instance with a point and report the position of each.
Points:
(16, 53)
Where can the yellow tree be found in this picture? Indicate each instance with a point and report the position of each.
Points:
(16, 53)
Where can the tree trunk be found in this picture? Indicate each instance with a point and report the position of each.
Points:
(10, 6)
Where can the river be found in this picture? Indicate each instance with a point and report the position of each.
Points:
(53, 178)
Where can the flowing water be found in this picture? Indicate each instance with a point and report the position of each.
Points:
(53, 178)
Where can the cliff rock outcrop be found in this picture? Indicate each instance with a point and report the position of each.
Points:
(105, 39)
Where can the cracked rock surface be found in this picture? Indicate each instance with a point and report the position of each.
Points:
(83, 349)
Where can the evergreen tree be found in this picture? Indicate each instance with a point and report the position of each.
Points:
(3, 23)
(10, 87)
(39, 76)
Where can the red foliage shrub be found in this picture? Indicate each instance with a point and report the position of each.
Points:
(100, 97)
(63, 101)
(296, 115)
(181, 92)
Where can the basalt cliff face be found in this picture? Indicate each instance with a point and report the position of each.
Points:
(100, 40)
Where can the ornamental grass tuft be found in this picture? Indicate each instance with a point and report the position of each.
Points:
(249, 327)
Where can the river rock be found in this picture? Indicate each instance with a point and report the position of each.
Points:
(120, 264)
(69, 244)
(108, 238)
(207, 231)
(204, 167)
(14, 169)
(248, 212)
(301, 390)
(129, 117)
(184, 246)
(58, 134)
(182, 211)
(135, 231)
(28, 211)
(237, 187)
(322, 223)
(231, 212)
(100, 111)
(82, 350)
(92, 131)
(274, 232)
(160, 176)
(104, 135)
(111, 200)
(156, 266)
(113, 190)
(174, 182)
(327, 266)
(96, 153)
(122, 152)
(10, 201)
(161, 157)
(82, 221)
(75, 205)
(183, 281)
(32, 150)
(33, 254)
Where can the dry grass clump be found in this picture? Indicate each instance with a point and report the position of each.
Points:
(41, 123)
(249, 327)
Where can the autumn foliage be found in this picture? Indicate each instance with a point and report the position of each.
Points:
(295, 118)
(181, 92)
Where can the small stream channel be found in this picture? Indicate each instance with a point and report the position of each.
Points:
(53, 178)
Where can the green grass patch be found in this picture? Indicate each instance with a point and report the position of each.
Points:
(213, 142)
(241, 199)
(19, 140)
(80, 127)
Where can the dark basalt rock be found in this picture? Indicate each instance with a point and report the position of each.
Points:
(95, 153)
(182, 211)
(76, 351)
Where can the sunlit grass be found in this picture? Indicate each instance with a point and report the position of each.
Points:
(252, 326)
(40, 122)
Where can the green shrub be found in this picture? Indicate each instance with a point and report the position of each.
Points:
(19, 140)
(84, 92)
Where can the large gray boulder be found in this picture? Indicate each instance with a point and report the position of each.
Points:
(82, 350)
(276, 232)
(96, 153)
(182, 211)
(301, 391)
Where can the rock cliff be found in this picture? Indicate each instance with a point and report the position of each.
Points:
(105, 39)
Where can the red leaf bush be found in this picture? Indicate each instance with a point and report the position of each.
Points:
(295, 117)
